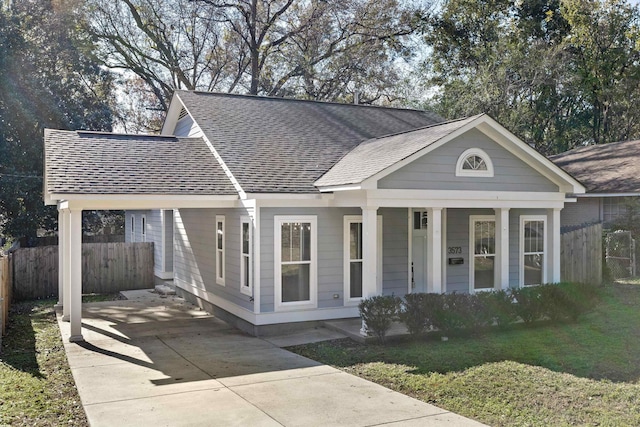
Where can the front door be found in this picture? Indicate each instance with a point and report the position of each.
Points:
(419, 251)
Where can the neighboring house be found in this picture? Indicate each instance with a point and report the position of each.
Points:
(290, 211)
(610, 174)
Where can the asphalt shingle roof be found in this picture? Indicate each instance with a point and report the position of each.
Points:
(375, 155)
(79, 162)
(606, 168)
(283, 145)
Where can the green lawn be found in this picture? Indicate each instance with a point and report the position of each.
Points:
(36, 385)
(585, 373)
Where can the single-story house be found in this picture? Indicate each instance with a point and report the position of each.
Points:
(273, 211)
(610, 174)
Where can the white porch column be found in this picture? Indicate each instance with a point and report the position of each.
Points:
(370, 286)
(434, 250)
(61, 266)
(501, 276)
(553, 245)
(64, 240)
(75, 255)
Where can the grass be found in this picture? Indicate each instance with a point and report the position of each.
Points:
(584, 373)
(37, 388)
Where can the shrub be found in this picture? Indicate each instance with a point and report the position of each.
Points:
(378, 313)
(418, 310)
(571, 300)
(497, 308)
(528, 303)
(454, 312)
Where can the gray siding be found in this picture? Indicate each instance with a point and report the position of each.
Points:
(395, 251)
(194, 255)
(436, 170)
(154, 234)
(168, 244)
(458, 235)
(584, 211)
(330, 253)
(187, 127)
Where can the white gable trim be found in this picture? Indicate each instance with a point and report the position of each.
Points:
(501, 136)
(172, 117)
(518, 148)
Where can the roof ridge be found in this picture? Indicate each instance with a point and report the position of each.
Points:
(314, 101)
(116, 134)
(425, 127)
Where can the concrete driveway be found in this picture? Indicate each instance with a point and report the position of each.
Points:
(151, 361)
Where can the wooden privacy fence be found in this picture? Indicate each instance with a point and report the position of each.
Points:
(5, 294)
(106, 268)
(581, 255)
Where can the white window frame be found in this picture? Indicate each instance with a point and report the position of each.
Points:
(521, 254)
(133, 228)
(278, 220)
(348, 220)
(220, 252)
(478, 173)
(247, 290)
(472, 252)
(143, 227)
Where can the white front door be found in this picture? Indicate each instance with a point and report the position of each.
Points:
(419, 251)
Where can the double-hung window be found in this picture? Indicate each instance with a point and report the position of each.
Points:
(353, 257)
(533, 244)
(295, 240)
(246, 243)
(143, 227)
(220, 249)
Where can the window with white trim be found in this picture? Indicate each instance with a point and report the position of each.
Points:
(474, 162)
(353, 256)
(133, 228)
(220, 250)
(143, 227)
(533, 244)
(483, 250)
(353, 252)
(246, 244)
(295, 261)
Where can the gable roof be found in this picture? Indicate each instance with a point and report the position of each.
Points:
(78, 162)
(605, 168)
(375, 155)
(276, 145)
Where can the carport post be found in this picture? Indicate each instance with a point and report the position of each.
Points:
(75, 246)
(61, 265)
(66, 264)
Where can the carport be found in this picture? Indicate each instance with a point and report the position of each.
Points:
(105, 171)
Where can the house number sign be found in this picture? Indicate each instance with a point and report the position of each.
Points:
(454, 250)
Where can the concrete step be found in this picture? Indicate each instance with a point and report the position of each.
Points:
(165, 290)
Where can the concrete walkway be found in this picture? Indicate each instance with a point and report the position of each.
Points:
(151, 361)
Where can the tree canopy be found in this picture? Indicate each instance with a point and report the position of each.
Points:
(558, 73)
(46, 80)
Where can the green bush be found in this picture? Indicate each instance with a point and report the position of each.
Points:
(570, 300)
(379, 313)
(418, 311)
(529, 305)
(498, 307)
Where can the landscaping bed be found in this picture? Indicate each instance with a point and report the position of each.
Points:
(37, 388)
(567, 373)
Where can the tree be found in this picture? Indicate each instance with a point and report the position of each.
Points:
(46, 80)
(527, 65)
(314, 49)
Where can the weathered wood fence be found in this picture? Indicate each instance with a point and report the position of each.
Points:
(5, 294)
(106, 268)
(581, 255)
